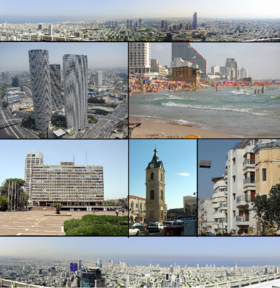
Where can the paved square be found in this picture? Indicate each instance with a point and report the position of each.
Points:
(34, 223)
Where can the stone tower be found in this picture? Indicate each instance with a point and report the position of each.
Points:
(156, 209)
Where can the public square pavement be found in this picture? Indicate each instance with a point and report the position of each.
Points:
(34, 223)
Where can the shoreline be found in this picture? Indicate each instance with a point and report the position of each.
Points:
(151, 128)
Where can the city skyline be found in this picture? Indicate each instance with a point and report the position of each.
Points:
(259, 61)
(115, 54)
(250, 10)
(54, 152)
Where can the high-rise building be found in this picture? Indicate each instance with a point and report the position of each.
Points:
(75, 74)
(139, 57)
(194, 24)
(8, 77)
(232, 63)
(156, 209)
(91, 278)
(162, 24)
(98, 79)
(55, 76)
(140, 24)
(3, 76)
(127, 23)
(84, 185)
(80, 264)
(53, 271)
(50, 29)
(116, 23)
(165, 25)
(41, 87)
(188, 53)
(215, 69)
(243, 73)
(223, 70)
(31, 159)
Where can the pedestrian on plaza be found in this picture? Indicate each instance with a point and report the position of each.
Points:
(93, 211)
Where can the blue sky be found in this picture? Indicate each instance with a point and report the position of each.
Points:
(111, 154)
(95, 9)
(216, 151)
(100, 55)
(179, 161)
(252, 56)
(204, 250)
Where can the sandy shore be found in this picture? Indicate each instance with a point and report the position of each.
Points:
(159, 129)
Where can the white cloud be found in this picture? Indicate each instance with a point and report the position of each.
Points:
(183, 174)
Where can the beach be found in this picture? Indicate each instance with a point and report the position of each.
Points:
(151, 128)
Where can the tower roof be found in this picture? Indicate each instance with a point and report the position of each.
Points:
(155, 163)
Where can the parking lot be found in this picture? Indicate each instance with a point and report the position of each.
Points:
(33, 223)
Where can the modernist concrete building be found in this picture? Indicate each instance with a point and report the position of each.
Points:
(75, 74)
(190, 54)
(55, 76)
(41, 87)
(31, 159)
(137, 209)
(139, 58)
(69, 184)
(156, 209)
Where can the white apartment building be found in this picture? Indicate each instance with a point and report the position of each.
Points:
(98, 79)
(206, 214)
(215, 69)
(243, 73)
(139, 58)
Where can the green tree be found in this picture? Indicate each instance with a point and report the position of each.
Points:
(57, 206)
(267, 208)
(4, 203)
(5, 104)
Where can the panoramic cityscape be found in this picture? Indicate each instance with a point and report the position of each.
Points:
(68, 100)
(210, 90)
(185, 21)
(146, 267)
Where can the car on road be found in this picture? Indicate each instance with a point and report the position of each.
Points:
(155, 226)
(168, 223)
(139, 226)
(134, 232)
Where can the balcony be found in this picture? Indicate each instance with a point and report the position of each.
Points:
(248, 182)
(249, 163)
(216, 205)
(243, 201)
(219, 215)
(223, 206)
(242, 220)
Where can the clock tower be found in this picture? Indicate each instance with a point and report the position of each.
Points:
(156, 209)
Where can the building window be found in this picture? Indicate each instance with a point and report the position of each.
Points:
(233, 178)
(152, 195)
(233, 161)
(161, 176)
(152, 176)
(264, 174)
(233, 213)
(161, 195)
(161, 215)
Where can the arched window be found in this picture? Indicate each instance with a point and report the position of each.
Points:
(161, 177)
(152, 195)
(161, 195)
(152, 176)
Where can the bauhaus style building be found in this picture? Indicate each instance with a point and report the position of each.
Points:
(69, 184)
(41, 87)
(55, 76)
(75, 74)
(156, 209)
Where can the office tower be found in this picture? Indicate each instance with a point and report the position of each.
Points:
(243, 73)
(140, 24)
(50, 29)
(232, 63)
(75, 74)
(55, 77)
(165, 25)
(75, 267)
(223, 70)
(130, 24)
(116, 23)
(166, 281)
(3, 76)
(215, 69)
(171, 269)
(41, 87)
(139, 57)
(53, 272)
(187, 52)
(71, 266)
(127, 23)
(31, 159)
(194, 25)
(98, 79)
(91, 278)
(112, 263)
(80, 264)
(109, 23)
(8, 78)
(91, 190)
(162, 24)
(39, 26)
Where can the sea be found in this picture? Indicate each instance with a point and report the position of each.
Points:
(239, 114)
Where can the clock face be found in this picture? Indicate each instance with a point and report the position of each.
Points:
(152, 165)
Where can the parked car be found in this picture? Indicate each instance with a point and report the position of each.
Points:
(139, 226)
(134, 232)
(179, 223)
(131, 224)
(155, 226)
(168, 223)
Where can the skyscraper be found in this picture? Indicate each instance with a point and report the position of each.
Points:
(243, 73)
(55, 77)
(127, 23)
(75, 74)
(187, 52)
(80, 264)
(139, 57)
(31, 158)
(41, 87)
(215, 69)
(50, 29)
(232, 63)
(194, 24)
(8, 78)
(162, 24)
(3, 76)
(91, 278)
(140, 24)
(98, 79)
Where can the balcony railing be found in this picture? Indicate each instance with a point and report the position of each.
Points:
(248, 181)
(249, 161)
(244, 218)
(245, 198)
(223, 205)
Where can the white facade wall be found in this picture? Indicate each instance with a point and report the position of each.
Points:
(139, 57)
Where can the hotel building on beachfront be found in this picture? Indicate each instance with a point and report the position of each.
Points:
(139, 58)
